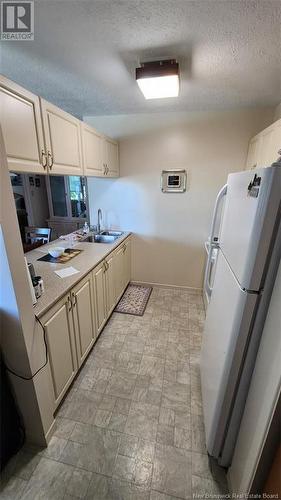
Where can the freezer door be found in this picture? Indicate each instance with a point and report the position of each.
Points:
(251, 211)
(225, 335)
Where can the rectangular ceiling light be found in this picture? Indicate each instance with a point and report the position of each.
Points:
(158, 79)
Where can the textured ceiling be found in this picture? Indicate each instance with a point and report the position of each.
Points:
(85, 52)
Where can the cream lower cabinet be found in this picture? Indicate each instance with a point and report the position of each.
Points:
(110, 297)
(122, 268)
(119, 272)
(74, 322)
(110, 279)
(22, 128)
(127, 262)
(59, 328)
(100, 295)
(70, 334)
(83, 316)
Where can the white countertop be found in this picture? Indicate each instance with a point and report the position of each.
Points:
(56, 287)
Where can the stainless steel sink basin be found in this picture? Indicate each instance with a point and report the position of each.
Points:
(112, 233)
(104, 237)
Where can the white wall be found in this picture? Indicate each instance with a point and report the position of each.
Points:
(170, 229)
(277, 112)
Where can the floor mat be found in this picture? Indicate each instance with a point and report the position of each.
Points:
(134, 300)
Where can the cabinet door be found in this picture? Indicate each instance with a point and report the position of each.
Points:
(99, 295)
(119, 280)
(271, 144)
(92, 144)
(127, 263)
(276, 141)
(63, 141)
(22, 128)
(110, 285)
(61, 346)
(83, 315)
(111, 157)
(253, 152)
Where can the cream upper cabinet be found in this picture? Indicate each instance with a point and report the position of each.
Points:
(111, 158)
(41, 138)
(22, 128)
(60, 340)
(92, 144)
(63, 140)
(100, 296)
(253, 152)
(265, 147)
(83, 316)
(270, 145)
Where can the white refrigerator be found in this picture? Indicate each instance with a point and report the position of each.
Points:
(249, 250)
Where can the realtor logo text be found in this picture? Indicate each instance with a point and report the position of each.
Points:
(17, 20)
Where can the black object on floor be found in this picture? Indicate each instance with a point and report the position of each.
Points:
(12, 433)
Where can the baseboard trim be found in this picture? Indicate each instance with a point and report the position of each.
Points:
(50, 432)
(196, 291)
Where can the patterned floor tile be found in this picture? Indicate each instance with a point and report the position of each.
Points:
(131, 426)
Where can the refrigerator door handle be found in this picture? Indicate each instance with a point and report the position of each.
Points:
(207, 286)
(213, 244)
(219, 198)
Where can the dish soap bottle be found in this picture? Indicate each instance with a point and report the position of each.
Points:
(86, 228)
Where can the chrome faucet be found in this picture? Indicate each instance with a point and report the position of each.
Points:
(99, 220)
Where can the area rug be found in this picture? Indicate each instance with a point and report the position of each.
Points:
(134, 300)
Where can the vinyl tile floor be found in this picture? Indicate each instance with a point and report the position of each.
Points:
(131, 426)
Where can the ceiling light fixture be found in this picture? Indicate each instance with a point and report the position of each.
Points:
(158, 79)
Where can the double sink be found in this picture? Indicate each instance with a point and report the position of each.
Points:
(104, 237)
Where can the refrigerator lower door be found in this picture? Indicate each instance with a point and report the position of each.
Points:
(227, 328)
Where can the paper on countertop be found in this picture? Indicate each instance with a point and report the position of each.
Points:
(67, 271)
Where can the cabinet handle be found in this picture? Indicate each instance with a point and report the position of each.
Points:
(50, 163)
(107, 169)
(104, 169)
(43, 157)
(69, 303)
(124, 248)
(104, 267)
(74, 299)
